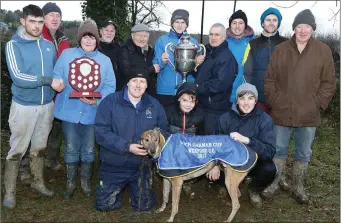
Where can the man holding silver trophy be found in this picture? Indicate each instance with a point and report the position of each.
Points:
(175, 67)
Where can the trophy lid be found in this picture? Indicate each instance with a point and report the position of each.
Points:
(185, 43)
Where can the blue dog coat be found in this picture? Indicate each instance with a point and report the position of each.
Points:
(184, 154)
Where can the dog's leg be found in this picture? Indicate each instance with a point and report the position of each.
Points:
(166, 190)
(232, 181)
(176, 191)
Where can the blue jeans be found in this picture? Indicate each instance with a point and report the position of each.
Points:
(303, 137)
(79, 142)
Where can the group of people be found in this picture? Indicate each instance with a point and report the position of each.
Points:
(257, 90)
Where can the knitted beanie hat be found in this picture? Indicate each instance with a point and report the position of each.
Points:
(238, 15)
(249, 88)
(88, 26)
(180, 14)
(304, 17)
(270, 11)
(51, 7)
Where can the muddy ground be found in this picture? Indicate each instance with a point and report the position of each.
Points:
(323, 184)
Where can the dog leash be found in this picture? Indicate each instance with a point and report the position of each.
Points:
(124, 218)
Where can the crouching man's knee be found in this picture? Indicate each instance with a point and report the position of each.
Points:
(107, 199)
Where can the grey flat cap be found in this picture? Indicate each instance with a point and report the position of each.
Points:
(140, 28)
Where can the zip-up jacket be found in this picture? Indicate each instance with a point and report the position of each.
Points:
(30, 64)
(215, 77)
(257, 125)
(119, 124)
(60, 41)
(238, 47)
(256, 60)
(72, 109)
(168, 78)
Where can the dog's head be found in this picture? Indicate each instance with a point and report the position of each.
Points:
(150, 140)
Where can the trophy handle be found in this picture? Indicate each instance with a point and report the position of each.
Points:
(169, 45)
(202, 48)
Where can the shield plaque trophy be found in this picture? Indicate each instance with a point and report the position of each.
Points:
(84, 77)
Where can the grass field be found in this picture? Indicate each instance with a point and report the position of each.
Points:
(322, 184)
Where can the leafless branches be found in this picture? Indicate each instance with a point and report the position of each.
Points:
(145, 12)
(285, 7)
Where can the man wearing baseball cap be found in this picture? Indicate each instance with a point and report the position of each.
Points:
(110, 47)
(299, 83)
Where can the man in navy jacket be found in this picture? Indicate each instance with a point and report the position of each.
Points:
(215, 78)
(121, 119)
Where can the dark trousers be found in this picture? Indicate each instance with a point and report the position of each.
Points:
(262, 175)
(112, 182)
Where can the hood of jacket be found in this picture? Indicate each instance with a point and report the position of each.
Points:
(248, 33)
(20, 36)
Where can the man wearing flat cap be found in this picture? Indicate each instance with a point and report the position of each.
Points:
(299, 83)
(137, 53)
(110, 47)
(121, 119)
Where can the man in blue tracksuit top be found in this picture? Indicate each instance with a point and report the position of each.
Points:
(30, 59)
(168, 79)
(121, 119)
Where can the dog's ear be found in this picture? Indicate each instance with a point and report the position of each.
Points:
(157, 130)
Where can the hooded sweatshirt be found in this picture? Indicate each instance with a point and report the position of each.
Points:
(238, 47)
(30, 63)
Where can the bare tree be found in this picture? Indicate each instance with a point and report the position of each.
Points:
(145, 12)
(334, 14)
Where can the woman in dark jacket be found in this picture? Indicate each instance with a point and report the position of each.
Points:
(251, 126)
(136, 53)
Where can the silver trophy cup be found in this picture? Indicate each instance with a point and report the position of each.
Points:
(185, 53)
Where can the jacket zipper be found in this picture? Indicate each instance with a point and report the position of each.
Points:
(269, 42)
(184, 124)
(136, 123)
(42, 72)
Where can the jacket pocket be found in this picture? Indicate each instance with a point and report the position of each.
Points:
(274, 100)
(316, 103)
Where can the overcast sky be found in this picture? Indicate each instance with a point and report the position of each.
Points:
(218, 11)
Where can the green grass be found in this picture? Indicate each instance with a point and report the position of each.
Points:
(322, 185)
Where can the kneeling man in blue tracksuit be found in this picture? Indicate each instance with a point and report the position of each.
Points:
(121, 119)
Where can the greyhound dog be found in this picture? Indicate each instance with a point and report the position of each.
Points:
(151, 141)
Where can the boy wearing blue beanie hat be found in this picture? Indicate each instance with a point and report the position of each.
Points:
(255, 62)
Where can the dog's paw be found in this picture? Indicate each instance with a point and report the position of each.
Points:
(160, 210)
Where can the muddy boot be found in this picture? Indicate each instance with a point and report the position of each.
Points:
(299, 170)
(37, 169)
(283, 183)
(26, 178)
(71, 173)
(86, 169)
(24, 170)
(10, 180)
(270, 190)
(255, 199)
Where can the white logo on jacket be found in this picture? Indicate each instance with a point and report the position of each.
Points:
(149, 113)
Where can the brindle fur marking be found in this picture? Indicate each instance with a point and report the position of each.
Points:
(151, 141)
